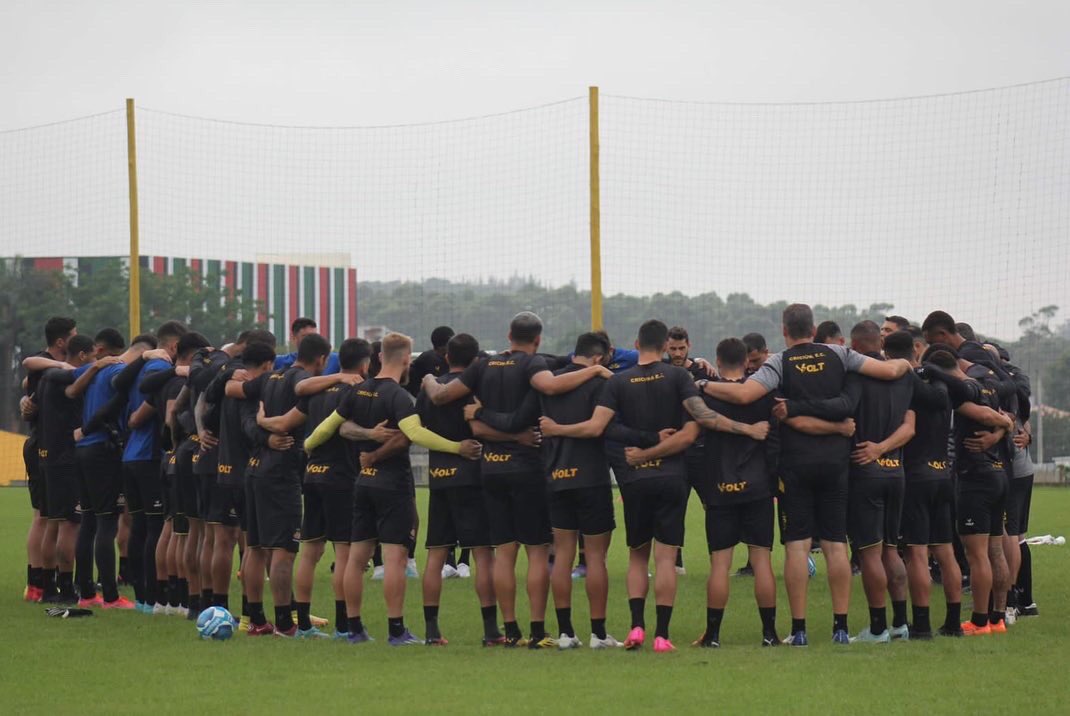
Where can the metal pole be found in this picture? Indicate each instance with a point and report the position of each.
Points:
(135, 251)
(596, 214)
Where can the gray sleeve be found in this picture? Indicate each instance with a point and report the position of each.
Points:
(768, 376)
(852, 360)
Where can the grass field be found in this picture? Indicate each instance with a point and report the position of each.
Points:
(127, 662)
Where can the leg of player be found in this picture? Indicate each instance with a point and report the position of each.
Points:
(919, 581)
(395, 560)
(83, 559)
(638, 582)
(976, 547)
(596, 548)
(1014, 564)
(760, 560)
(1001, 582)
(48, 558)
(191, 559)
(253, 572)
(538, 588)
(66, 539)
(161, 607)
(311, 553)
(875, 584)
(432, 593)
(896, 573)
(34, 539)
(505, 589)
(838, 563)
(664, 591)
(488, 600)
(122, 544)
(282, 576)
(205, 558)
(944, 554)
(797, 576)
(561, 582)
(359, 554)
(223, 563)
(716, 597)
(341, 565)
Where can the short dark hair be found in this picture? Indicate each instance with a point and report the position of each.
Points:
(190, 343)
(601, 333)
(312, 346)
(941, 358)
(79, 344)
(937, 320)
(525, 327)
(589, 345)
(939, 348)
(653, 335)
(899, 345)
(826, 331)
(256, 335)
(462, 349)
(441, 336)
(866, 331)
(732, 352)
(301, 324)
(376, 365)
(171, 329)
(754, 342)
(916, 333)
(678, 333)
(110, 338)
(145, 339)
(798, 320)
(353, 352)
(898, 320)
(57, 328)
(257, 353)
(966, 331)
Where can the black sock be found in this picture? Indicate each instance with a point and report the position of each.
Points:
(183, 592)
(356, 626)
(954, 615)
(598, 628)
(921, 618)
(65, 582)
(637, 605)
(713, 623)
(153, 529)
(679, 558)
(284, 620)
(979, 619)
(1025, 576)
(206, 597)
(340, 618)
(538, 630)
(29, 575)
(451, 557)
(899, 613)
(222, 600)
(83, 556)
(377, 556)
(564, 621)
(122, 561)
(396, 626)
(490, 621)
(195, 603)
(664, 615)
(244, 605)
(839, 622)
(512, 630)
(466, 556)
(412, 549)
(172, 590)
(104, 556)
(161, 591)
(768, 615)
(304, 621)
(35, 577)
(797, 625)
(878, 620)
(995, 617)
(431, 622)
(582, 562)
(256, 611)
(1012, 598)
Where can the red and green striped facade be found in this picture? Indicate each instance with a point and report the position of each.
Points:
(283, 291)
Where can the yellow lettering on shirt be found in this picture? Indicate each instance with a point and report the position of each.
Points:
(649, 464)
(368, 393)
(646, 378)
(497, 457)
(564, 473)
(732, 486)
(369, 471)
(810, 367)
(938, 464)
(500, 363)
(888, 462)
(440, 472)
(318, 469)
(254, 461)
(225, 469)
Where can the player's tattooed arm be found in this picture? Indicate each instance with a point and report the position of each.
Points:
(712, 420)
(380, 433)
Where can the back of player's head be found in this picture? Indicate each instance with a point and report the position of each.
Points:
(754, 342)
(146, 341)
(396, 346)
(942, 359)
(939, 348)
(256, 335)
(798, 320)
(916, 333)
(899, 345)
(301, 324)
(866, 336)
(601, 333)
(79, 344)
(827, 331)
(170, 331)
(110, 338)
(525, 328)
(678, 333)
(375, 365)
(353, 352)
(653, 335)
(190, 343)
(441, 336)
(57, 328)
(966, 331)
(257, 353)
(591, 345)
(312, 347)
(461, 350)
(899, 321)
(939, 321)
(732, 353)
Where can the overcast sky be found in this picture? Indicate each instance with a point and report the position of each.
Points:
(359, 63)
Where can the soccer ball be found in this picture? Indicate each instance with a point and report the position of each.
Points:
(811, 565)
(216, 623)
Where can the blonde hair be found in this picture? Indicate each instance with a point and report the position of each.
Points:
(395, 346)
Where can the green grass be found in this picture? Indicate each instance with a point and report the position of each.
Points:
(129, 662)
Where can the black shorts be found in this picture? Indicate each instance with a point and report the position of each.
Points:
(813, 502)
(457, 516)
(62, 491)
(328, 513)
(385, 516)
(748, 522)
(654, 509)
(102, 470)
(927, 512)
(588, 510)
(1019, 498)
(273, 510)
(35, 481)
(874, 510)
(205, 486)
(141, 486)
(981, 502)
(518, 508)
(226, 506)
(187, 502)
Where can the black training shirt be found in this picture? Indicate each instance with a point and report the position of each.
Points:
(368, 404)
(332, 463)
(572, 463)
(446, 469)
(737, 468)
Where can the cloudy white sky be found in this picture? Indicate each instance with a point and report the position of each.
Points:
(715, 187)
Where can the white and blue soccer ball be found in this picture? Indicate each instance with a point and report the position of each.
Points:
(216, 623)
(811, 565)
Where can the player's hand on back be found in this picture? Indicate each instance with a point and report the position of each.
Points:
(706, 366)
(106, 361)
(27, 407)
(780, 409)
(471, 449)
(547, 427)
(665, 433)
(241, 375)
(157, 354)
(865, 453)
(472, 409)
(633, 456)
(847, 427)
(602, 372)
(530, 438)
(760, 430)
(280, 442)
(380, 433)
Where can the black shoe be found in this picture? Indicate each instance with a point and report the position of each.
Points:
(707, 642)
(946, 630)
(1029, 611)
(920, 635)
(62, 598)
(745, 571)
(770, 640)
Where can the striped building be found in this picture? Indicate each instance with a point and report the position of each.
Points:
(284, 288)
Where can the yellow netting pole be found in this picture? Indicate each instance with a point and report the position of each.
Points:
(596, 215)
(135, 252)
